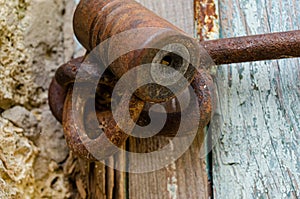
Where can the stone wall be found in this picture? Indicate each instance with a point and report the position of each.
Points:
(35, 38)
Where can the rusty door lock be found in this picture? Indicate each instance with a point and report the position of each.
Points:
(96, 21)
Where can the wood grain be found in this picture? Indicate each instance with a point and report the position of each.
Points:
(257, 153)
(179, 13)
(186, 177)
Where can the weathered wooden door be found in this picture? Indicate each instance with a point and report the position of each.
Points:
(256, 128)
(257, 152)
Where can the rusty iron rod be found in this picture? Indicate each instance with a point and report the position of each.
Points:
(254, 48)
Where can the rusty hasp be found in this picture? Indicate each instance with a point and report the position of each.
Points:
(106, 132)
(69, 113)
(82, 137)
(148, 37)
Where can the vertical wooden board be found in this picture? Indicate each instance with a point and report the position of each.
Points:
(179, 13)
(257, 153)
(186, 177)
(95, 179)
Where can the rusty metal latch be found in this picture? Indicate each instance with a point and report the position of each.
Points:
(96, 21)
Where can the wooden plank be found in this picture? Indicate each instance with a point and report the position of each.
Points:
(186, 177)
(257, 153)
(179, 13)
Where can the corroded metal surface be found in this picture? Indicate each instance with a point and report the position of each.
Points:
(62, 106)
(56, 99)
(105, 144)
(254, 48)
(60, 101)
(204, 89)
(96, 21)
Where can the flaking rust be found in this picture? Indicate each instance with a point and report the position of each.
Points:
(95, 21)
(206, 19)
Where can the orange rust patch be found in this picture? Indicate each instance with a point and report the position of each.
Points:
(205, 18)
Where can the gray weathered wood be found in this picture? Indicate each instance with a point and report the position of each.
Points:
(257, 153)
(186, 177)
(179, 13)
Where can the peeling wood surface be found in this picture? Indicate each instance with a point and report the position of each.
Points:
(257, 153)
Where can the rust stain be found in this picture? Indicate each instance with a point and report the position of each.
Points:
(206, 19)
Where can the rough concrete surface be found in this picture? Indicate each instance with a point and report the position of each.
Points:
(35, 38)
